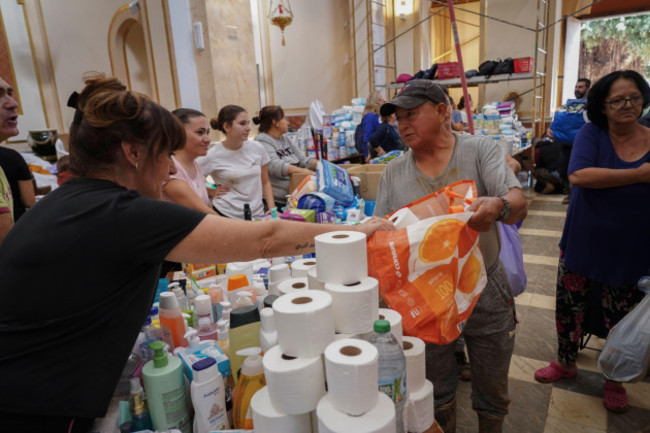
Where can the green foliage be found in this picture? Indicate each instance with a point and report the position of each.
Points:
(632, 29)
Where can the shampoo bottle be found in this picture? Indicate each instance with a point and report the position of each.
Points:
(244, 333)
(166, 397)
(251, 380)
(172, 327)
(140, 419)
(208, 397)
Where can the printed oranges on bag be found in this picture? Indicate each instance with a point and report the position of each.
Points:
(440, 240)
(469, 275)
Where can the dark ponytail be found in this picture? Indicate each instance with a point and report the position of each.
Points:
(226, 116)
(267, 115)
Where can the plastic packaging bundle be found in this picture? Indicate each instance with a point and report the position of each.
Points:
(626, 354)
(335, 182)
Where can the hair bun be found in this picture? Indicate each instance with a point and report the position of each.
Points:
(256, 120)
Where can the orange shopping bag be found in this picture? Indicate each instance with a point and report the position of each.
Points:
(431, 270)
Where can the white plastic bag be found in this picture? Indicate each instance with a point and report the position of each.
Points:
(626, 354)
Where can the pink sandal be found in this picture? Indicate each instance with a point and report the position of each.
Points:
(615, 398)
(553, 373)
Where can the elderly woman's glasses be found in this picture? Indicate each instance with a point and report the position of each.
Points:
(619, 103)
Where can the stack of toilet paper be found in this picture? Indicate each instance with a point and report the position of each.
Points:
(321, 304)
(420, 401)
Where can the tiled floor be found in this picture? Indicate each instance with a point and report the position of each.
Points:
(567, 406)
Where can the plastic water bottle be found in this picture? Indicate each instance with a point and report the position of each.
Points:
(392, 369)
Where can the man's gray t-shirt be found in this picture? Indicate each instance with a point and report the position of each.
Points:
(481, 160)
(477, 158)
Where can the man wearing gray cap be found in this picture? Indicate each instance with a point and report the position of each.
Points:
(437, 158)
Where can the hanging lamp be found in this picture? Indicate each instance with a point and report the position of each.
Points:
(280, 15)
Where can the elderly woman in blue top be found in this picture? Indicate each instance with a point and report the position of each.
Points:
(604, 246)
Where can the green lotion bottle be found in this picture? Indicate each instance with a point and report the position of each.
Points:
(166, 396)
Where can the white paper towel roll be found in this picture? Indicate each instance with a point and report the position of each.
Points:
(279, 273)
(293, 285)
(295, 384)
(351, 369)
(267, 418)
(379, 419)
(300, 267)
(403, 218)
(314, 282)
(341, 257)
(304, 321)
(395, 320)
(415, 362)
(420, 408)
(355, 305)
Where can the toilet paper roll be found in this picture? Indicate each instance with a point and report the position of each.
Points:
(403, 218)
(355, 305)
(279, 273)
(415, 362)
(295, 384)
(420, 409)
(293, 285)
(300, 267)
(341, 257)
(379, 419)
(314, 282)
(395, 320)
(267, 418)
(304, 321)
(351, 370)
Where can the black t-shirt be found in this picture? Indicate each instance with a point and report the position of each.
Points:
(77, 278)
(15, 169)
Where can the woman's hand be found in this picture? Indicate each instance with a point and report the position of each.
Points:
(221, 190)
(374, 224)
(644, 171)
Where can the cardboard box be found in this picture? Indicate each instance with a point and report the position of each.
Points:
(370, 174)
(296, 178)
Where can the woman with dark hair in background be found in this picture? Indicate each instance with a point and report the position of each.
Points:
(604, 246)
(285, 157)
(187, 186)
(240, 164)
(64, 345)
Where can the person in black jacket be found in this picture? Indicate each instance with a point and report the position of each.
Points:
(385, 138)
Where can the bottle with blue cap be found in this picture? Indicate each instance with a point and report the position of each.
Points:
(208, 397)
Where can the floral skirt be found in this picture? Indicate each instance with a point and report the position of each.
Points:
(584, 306)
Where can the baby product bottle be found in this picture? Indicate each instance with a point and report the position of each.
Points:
(208, 397)
(251, 380)
(166, 397)
(172, 327)
(216, 296)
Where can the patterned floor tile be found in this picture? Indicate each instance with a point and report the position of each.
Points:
(558, 425)
(585, 383)
(548, 213)
(540, 222)
(522, 368)
(536, 232)
(534, 259)
(577, 408)
(635, 420)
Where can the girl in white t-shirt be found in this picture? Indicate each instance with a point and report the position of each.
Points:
(239, 164)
